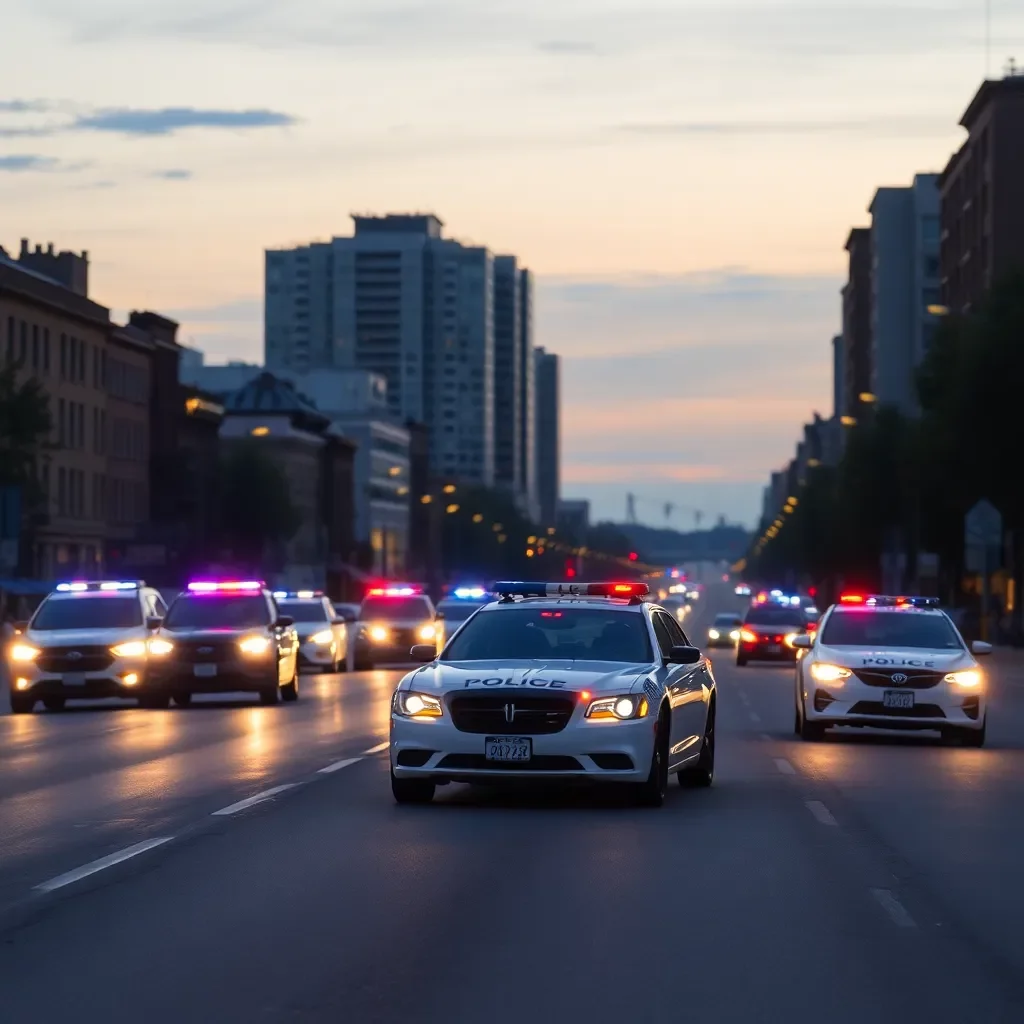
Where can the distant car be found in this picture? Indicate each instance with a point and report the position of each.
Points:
(725, 630)
(461, 603)
(679, 607)
(891, 663)
(768, 632)
(323, 635)
(742, 590)
(392, 620)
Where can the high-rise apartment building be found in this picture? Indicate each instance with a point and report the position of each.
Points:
(508, 368)
(527, 482)
(857, 324)
(904, 287)
(547, 435)
(982, 215)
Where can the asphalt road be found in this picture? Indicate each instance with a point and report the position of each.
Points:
(863, 878)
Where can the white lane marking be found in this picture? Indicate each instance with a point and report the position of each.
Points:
(338, 765)
(99, 865)
(821, 812)
(379, 749)
(784, 766)
(251, 801)
(892, 906)
(754, 716)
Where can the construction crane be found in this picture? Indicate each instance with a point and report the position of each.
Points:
(668, 509)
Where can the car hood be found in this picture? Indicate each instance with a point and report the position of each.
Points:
(211, 634)
(530, 676)
(911, 657)
(83, 637)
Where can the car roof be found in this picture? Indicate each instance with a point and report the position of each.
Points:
(579, 601)
(838, 609)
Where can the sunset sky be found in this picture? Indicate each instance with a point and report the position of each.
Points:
(680, 176)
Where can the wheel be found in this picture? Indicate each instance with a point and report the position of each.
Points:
(363, 665)
(652, 792)
(54, 703)
(271, 695)
(741, 660)
(290, 691)
(183, 699)
(702, 774)
(22, 705)
(974, 737)
(796, 722)
(155, 701)
(810, 732)
(412, 791)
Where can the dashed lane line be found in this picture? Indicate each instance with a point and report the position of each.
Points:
(338, 765)
(251, 801)
(379, 749)
(892, 906)
(92, 868)
(784, 766)
(821, 812)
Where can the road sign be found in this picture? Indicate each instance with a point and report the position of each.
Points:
(983, 526)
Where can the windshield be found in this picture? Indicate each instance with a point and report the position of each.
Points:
(99, 612)
(392, 608)
(890, 631)
(457, 611)
(574, 634)
(727, 620)
(304, 611)
(207, 612)
(772, 615)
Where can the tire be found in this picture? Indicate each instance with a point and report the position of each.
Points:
(22, 705)
(271, 695)
(290, 691)
(796, 722)
(810, 732)
(155, 701)
(54, 703)
(702, 774)
(183, 699)
(412, 791)
(741, 660)
(966, 737)
(652, 793)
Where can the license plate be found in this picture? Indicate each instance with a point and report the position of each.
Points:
(897, 699)
(204, 670)
(773, 649)
(74, 679)
(508, 748)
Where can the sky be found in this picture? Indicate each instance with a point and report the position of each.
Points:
(680, 176)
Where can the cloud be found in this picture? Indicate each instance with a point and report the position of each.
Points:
(885, 126)
(173, 174)
(167, 121)
(22, 162)
(567, 46)
(23, 106)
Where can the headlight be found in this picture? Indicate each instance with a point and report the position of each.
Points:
(747, 637)
(254, 645)
(790, 637)
(829, 673)
(618, 708)
(325, 636)
(713, 634)
(23, 652)
(417, 705)
(131, 649)
(734, 635)
(969, 678)
(428, 632)
(160, 647)
(378, 634)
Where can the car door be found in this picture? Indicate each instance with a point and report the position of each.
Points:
(683, 689)
(700, 678)
(338, 628)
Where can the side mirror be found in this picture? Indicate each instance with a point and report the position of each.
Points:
(683, 655)
(284, 621)
(439, 617)
(20, 627)
(423, 653)
(154, 622)
(803, 642)
(980, 648)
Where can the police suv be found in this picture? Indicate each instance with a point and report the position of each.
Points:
(890, 663)
(87, 640)
(557, 681)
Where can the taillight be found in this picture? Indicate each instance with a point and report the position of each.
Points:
(748, 637)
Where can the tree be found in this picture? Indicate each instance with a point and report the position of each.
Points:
(25, 425)
(257, 509)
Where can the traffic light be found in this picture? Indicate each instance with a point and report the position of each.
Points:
(570, 569)
(633, 556)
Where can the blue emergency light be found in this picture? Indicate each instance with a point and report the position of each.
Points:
(888, 601)
(470, 593)
(100, 586)
(297, 595)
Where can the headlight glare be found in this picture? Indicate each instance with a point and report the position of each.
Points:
(748, 637)
(378, 634)
(969, 678)
(428, 632)
(23, 652)
(325, 636)
(713, 634)
(618, 709)
(824, 673)
(254, 645)
(734, 635)
(417, 705)
(130, 649)
(160, 647)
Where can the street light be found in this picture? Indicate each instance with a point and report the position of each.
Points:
(848, 421)
(449, 488)
(478, 518)
(452, 509)
(426, 499)
(867, 397)
(937, 310)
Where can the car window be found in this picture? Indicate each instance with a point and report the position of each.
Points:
(662, 633)
(211, 611)
(457, 611)
(392, 608)
(773, 615)
(890, 631)
(99, 611)
(304, 611)
(675, 632)
(727, 620)
(565, 633)
(159, 607)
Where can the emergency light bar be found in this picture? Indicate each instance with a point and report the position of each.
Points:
(106, 586)
(469, 593)
(520, 589)
(396, 590)
(888, 601)
(225, 586)
(297, 595)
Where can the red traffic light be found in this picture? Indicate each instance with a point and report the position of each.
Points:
(633, 556)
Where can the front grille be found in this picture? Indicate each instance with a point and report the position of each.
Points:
(541, 763)
(204, 650)
(875, 707)
(530, 716)
(822, 699)
(917, 678)
(58, 660)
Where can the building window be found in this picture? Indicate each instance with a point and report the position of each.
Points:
(23, 342)
(96, 368)
(61, 426)
(46, 350)
(63, 357)
(35, 347)
(62, 493)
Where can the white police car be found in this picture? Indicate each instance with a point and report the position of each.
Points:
(87, 640)
(890, 663)
(323, 633)
(578, 681)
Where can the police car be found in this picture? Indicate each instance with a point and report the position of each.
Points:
(392, 619)
(223, 636)
(323, 633)
(890, 663)
(557, 681)
(87, 640)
